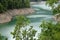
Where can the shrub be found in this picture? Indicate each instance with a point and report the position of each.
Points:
(53, 4)
(23, 34)
(2, 9)
(56, 10)
(49, 31)
(27, 3)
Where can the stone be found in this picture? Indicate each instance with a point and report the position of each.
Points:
(57, 17)
(9, 14)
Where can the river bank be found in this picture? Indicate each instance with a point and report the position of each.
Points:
(8, 15)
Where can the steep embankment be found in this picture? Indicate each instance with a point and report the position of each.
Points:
(8, 15)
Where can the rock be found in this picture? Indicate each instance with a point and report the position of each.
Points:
(5, 18)
(8, 15)
(57, 17)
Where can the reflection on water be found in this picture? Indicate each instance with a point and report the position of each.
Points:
(36, 18)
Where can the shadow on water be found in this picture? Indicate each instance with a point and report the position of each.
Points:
(12, 22)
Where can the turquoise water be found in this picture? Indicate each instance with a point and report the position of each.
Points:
(36, 18)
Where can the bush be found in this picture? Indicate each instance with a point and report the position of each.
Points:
(50, 31)
(2, 9)
(52, 4)
(27, 3)
(23, 34)
(56, 10)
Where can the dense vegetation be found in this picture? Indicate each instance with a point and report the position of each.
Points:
(13, 4)
(55, 5)
(21, 32)
(49, 31)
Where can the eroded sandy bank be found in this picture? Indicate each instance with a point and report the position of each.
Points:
(8, 15)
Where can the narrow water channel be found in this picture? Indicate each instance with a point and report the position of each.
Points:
(36, 18)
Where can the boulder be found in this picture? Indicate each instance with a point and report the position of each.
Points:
(57, 17)
(9, 14)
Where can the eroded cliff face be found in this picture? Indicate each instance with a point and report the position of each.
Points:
(8, 15)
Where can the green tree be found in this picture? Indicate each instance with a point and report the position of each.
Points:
(55, 5)
(23, 34)
(20, 34)
(1, 8)
(13, 4)
(27, 3)
(21, 22)
(49, 31)
(5, 4)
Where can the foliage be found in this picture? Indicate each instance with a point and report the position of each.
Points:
(26, 34)
(56, 10)
(23, 34)
(52, 2)
(55, 5)
(26, 3)
(13, 4)
(1, 8)
(22, 21)
(49, 31)
(29, 34)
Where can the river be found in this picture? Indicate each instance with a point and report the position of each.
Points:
(41, 13)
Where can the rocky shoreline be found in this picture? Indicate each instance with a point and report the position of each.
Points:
(57, 17)
(8, 15)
